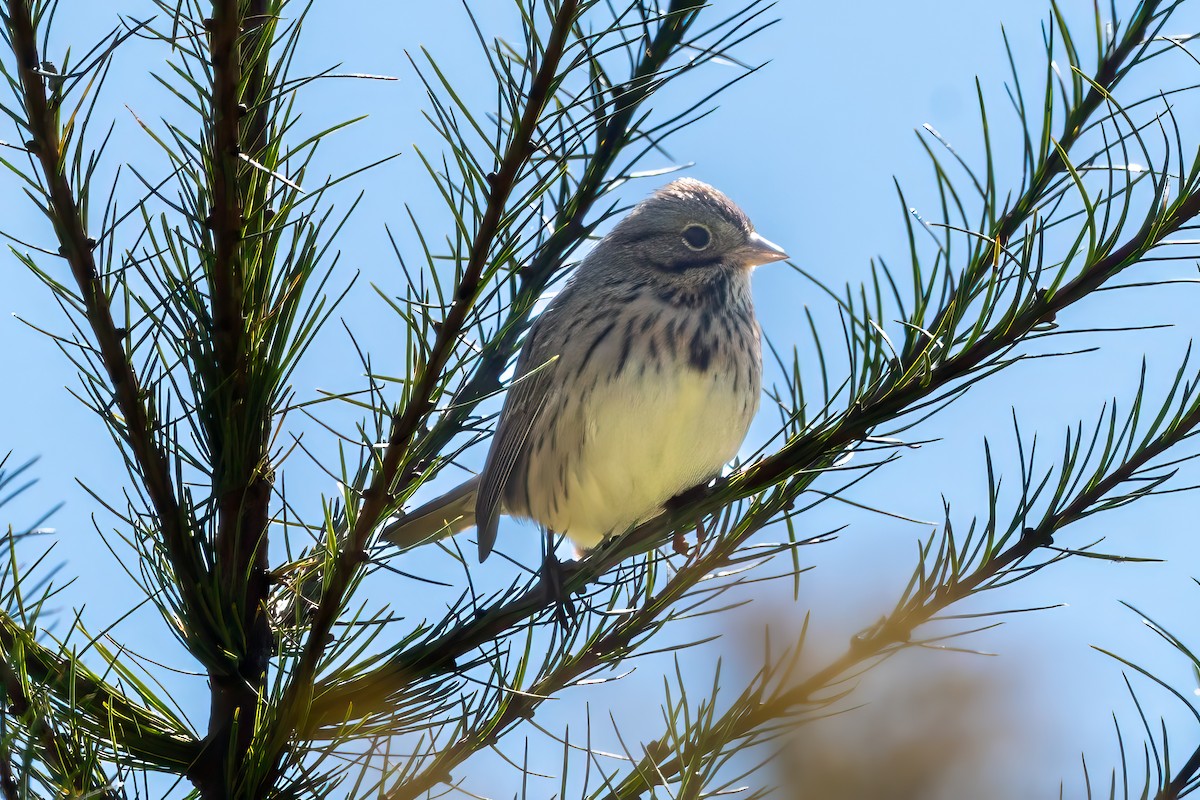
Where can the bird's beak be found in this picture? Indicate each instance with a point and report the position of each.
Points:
(759, 250)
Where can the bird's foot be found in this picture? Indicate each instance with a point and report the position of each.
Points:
(554, 576)
(680, 544)
(683, 500)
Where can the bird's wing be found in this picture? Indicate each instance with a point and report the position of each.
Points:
(527, 398)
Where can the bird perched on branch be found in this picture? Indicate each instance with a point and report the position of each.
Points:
(637, 383)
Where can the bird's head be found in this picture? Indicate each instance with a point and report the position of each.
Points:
(688, 227)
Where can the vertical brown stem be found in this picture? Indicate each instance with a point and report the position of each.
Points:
(239, 416)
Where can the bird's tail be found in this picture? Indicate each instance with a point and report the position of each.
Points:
(439, 518)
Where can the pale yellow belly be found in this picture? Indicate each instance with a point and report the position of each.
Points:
(645, 439)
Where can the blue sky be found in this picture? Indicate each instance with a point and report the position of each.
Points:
(809, 147)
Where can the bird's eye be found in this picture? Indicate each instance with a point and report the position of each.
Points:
(696, 236)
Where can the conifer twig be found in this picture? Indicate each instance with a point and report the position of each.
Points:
(299, 692)
(135, 401)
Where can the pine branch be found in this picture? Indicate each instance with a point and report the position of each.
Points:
(601, 649)
(488, 624)
(514, 230)
(135, 401)
(299, 692)
(1137, 38)
(617, 120)
(1167, 782)
(1180, 783)
(39, 725)
(56, 752)
(744, 719)
(909, 383)
(615, 128)
(51, 685)
(239, 44)
(905, 384)
(103, 711)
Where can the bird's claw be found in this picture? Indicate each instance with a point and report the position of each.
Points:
(554, 575)
(679, 542)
